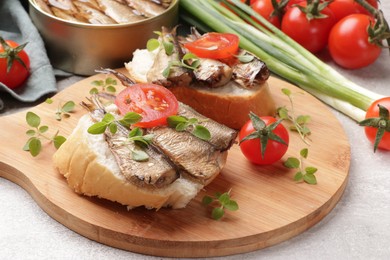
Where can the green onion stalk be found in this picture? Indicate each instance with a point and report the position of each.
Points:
(283, 56)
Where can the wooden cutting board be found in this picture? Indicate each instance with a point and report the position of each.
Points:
(273, 207)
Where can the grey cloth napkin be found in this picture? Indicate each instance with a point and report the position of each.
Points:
(16, 25)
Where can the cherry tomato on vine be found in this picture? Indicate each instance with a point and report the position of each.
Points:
(14, 63)
(214, 45)
(343, 8)
(153, 102)
(313, 34)
(266, 9)
(374, 111)
(349, 44)
(258, 131)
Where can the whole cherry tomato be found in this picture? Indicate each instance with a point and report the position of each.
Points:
(373, 112)
(349, 44)
(256, 132)
(343, 8)
(311, 34)
(266, 9)
(14, 63)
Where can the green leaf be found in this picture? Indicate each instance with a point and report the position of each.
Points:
(310, 178)
(167, 71)
(33, 119)
(110, 81)
(286, 91)
(30, 132)
(181, 127)
(245, 58)
(111, 89)
(152, 45)
(34, 146)
(217, 213)
(310, 170)
(189, 56)
(283, 112)
(303, 119)
(292, 163)
(113, 128)
(97, 128)
(231, 205)
(93, 91)
(168, 47)
(201, 132)
(136, 131)
(298, 176)
(97, 83)
(26, 145)
(173, 121)
(43, 129)
(108, 118)
(224, 198)
(130, 118)
(68, 106)
(49, 101)
(304, 152)
(58, 141)
(207, 200)
(139, 155)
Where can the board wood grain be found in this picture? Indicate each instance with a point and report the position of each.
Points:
(273, 207)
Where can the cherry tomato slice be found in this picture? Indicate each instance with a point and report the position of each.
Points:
(214, 45)
(153, 102)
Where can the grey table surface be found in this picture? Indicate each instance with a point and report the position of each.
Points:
(357, 228)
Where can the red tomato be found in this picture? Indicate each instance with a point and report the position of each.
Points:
(214, 45)
(252, 148)
(373, 112)
(313, 34)
(153, 102)
(293, 2)
(343, 8)
(362, 10)
(349, 45)
(265, 9)
(18, 73)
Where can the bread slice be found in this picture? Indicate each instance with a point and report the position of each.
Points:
(90, 169)
(228, 105)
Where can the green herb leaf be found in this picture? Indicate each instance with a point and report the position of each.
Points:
(292, 163)
(33, 119)
(173, 121)
(168, 47)
(139, 155)
(49, 101)
(201, 132)
(152, 45)
(207, 200)
(30, 132)
(108, 118)
(217, 213)
(298, 176)
(93, 91)
(113, 128)
(97, 128)
(68, 106)
(35, 146)
(304, 152)
(231, 205)
(58, 141)
(245, 58)
(310, 170)
(130, 118)
(97, 83)
(43, 129)
(111, 89)
(310, 178)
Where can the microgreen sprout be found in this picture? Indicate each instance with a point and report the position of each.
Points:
(63, 111)
(107, 85)
(189, 61)
(34, 143)
(181, 123)
(299, 123)
(305, 174)
(222, 201)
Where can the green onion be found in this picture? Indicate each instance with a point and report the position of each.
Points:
(282, 55)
